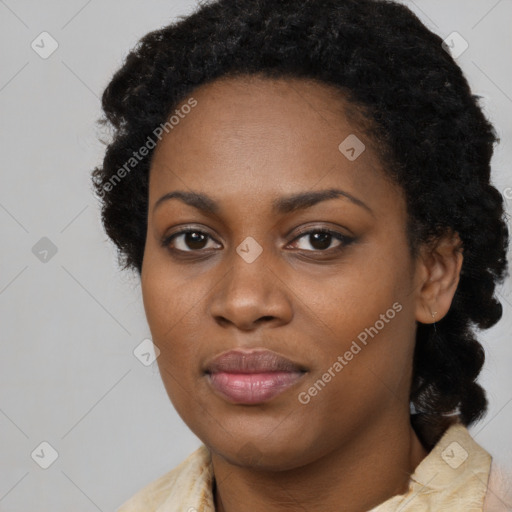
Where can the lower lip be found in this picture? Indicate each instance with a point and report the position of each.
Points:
(252, 388)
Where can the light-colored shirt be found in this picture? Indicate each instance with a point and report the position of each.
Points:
(452, 477)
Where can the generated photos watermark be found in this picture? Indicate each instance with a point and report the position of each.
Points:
(304, 397)
(150, 144)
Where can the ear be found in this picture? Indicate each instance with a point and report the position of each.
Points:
(437, 272)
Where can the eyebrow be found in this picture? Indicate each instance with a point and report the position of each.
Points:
(282, 205)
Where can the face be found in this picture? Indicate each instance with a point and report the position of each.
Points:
(270, 261)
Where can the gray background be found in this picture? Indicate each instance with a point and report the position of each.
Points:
(69, 325)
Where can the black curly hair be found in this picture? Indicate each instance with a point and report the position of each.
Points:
(416, 105)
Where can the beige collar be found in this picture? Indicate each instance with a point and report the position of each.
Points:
(452, 477)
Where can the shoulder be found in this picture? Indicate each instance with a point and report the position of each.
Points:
(499, 490)
(186, 484)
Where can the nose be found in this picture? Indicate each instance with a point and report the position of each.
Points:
(251, 294)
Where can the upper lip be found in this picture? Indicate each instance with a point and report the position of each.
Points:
(252, 361)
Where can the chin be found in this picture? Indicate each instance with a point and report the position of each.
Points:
(265, 455)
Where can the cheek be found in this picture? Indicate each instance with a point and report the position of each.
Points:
(172, 315)
(161, 302)
(171, 305)
(367, 318)
(167, 295)
(354, 297)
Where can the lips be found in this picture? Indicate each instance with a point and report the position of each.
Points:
(252, 377)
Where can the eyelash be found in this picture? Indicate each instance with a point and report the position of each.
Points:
(343, 239)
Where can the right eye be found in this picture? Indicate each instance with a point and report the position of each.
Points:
(187, 240)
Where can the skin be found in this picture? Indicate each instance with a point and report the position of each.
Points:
(247, 143)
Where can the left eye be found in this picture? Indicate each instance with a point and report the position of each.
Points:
(321, 239)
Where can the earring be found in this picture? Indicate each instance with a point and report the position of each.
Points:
(434, 318)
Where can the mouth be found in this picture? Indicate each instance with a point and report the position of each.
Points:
(252, 377)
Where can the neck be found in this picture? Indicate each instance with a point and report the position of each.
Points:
(359, 476)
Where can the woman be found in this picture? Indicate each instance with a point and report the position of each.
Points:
(304, 190)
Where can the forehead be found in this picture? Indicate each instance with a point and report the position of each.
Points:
(252, 134)
(285, 107)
